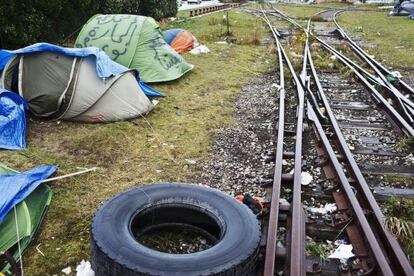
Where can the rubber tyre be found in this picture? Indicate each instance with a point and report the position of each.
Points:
(115, 251)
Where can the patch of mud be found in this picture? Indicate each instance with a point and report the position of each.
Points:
(237, 162)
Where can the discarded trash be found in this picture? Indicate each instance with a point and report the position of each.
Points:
(84, 269)
(201, 49)
(67, 270)
(191, 162)
(222, 42)
(328, 208)
(145, 49)
(254, 203)
(12, 121)
(306, 178)
(343, 252)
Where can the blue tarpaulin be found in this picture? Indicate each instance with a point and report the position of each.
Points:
(12, 121)
(105, 66)
(14, 188)
(412, 16)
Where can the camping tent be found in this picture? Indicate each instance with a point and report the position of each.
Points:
(135, 42)
(403, 7)
(59, 86)
(181, 40)
(31, 204)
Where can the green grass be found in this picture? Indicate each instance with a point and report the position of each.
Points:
(144, 150)
(391, 35)
(400, 222)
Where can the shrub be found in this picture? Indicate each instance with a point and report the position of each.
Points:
(25, 22)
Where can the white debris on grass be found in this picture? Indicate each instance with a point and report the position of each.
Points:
(201, 49)
(67, 270)
(84, 269)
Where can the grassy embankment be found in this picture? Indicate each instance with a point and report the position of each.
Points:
(144, 150)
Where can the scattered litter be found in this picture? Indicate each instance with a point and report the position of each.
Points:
(396, 74)
(67, 270)
(84, 269)
(221, 42)
(38, 250)
(202, 49)
(191, 161)
(333, 57)
(274, 85)
(283, 201)
(306, 178)
(343, 252)
(328, 208)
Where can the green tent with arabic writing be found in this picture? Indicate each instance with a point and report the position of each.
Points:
(135, 42)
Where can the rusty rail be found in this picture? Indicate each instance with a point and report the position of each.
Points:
(397, 119)
(405, 106)
(376, 249)
(296, 235)
(211, 9)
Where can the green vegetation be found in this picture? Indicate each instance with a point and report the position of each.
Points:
(145, 150)
(400, 221)
(316, 249)
(28, 22)
(406, 144)
(391, 35)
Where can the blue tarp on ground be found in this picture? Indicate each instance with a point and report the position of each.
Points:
(12, 121)
(16, 187)
(105, 66)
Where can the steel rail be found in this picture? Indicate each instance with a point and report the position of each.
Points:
(392, 249)
(377, 64)
(395, 116)
(401, 99)
(271, 243)
(388, 242)
(296, 252)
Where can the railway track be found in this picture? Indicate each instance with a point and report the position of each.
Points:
(349, 128)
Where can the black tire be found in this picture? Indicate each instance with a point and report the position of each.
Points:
(115, 251)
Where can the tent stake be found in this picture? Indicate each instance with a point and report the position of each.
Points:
(69, 175)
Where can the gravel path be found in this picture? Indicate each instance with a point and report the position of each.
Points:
(237, 163)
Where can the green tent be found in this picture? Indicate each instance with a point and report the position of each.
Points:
(135, 42)
(29, 213)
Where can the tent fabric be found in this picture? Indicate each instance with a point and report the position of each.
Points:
(14, 188)
(57, 86)
(180, 40)
(29, 215)
(12, 121)
(105, 67)
(135, 42)
(412, 16)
